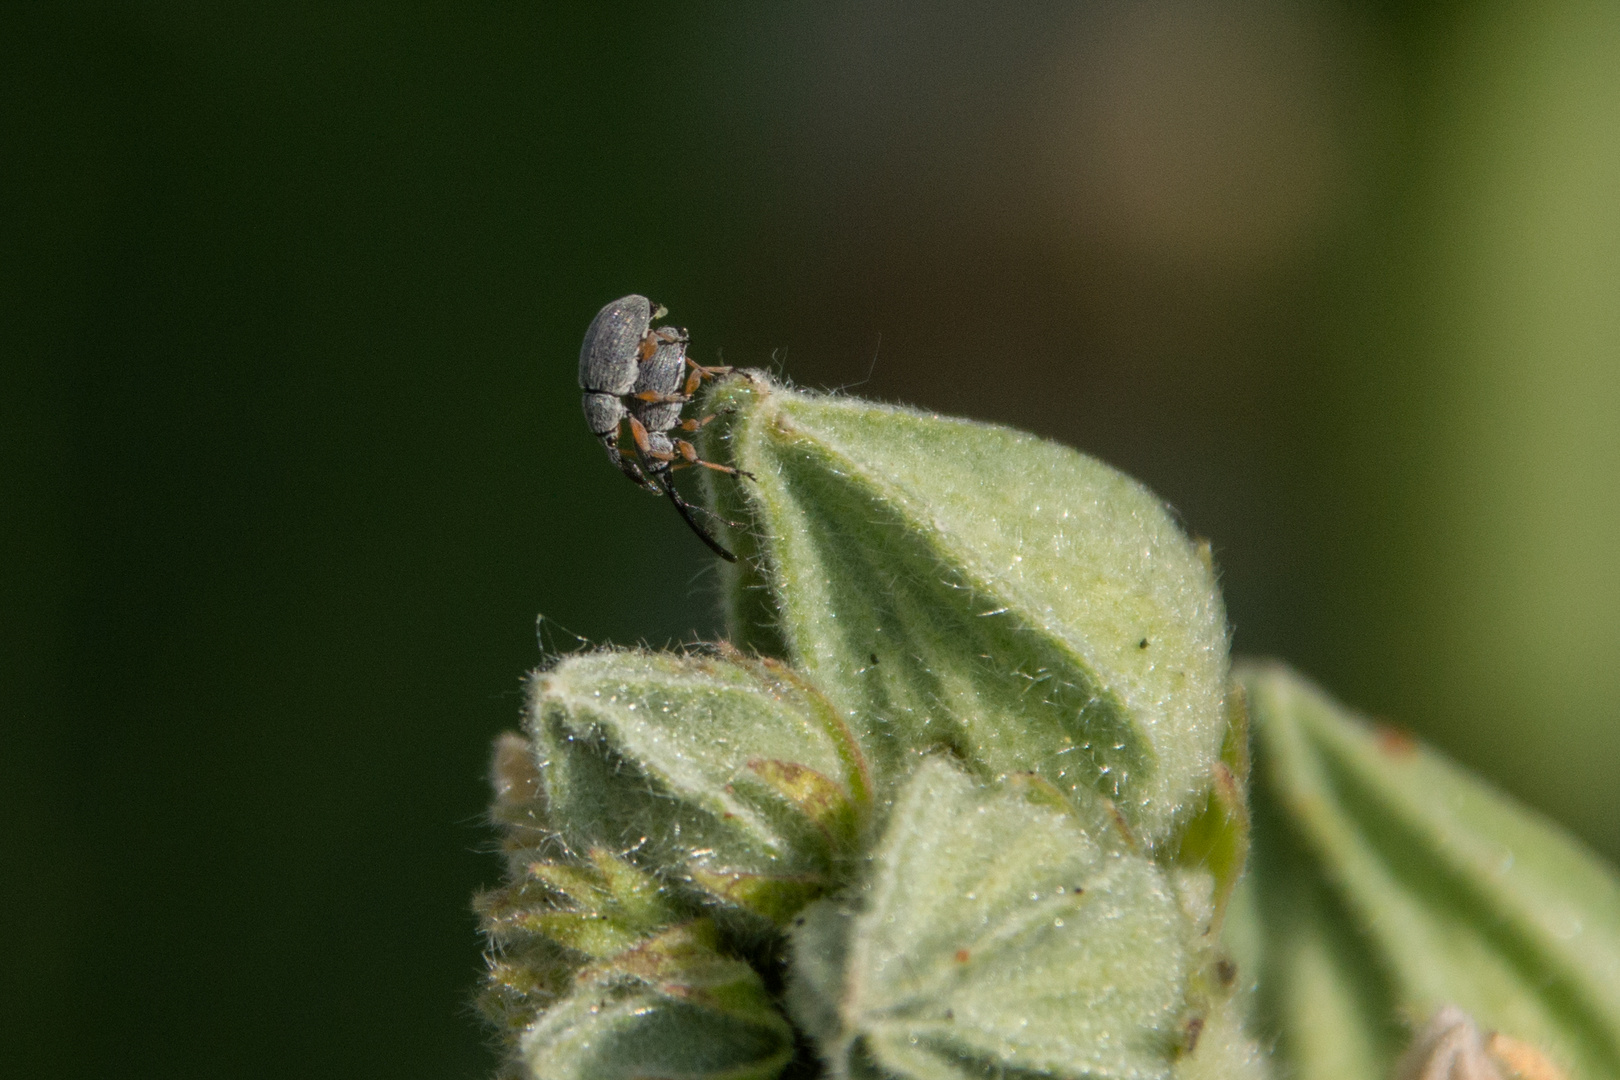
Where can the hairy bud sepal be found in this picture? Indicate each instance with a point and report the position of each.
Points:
(673, 1006)
(996, 929)
(733, 778)
(958, 586)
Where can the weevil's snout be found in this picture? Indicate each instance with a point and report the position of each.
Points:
(631, 469)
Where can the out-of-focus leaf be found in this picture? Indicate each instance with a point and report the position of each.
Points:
(1392, 883)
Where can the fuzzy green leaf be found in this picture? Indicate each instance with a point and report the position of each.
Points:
(996, 934)
(733, 776)
(1392, 883)
(958, 585)
(674, 1008)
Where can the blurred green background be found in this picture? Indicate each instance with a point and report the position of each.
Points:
(293, 455)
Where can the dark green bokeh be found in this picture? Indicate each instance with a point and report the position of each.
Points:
(294, 455)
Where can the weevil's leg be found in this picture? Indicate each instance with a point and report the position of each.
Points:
(693, 425)
(690, 455)
(644, 449)
(624, 462)
(627, 466)
(685, 508)
(654, 397)
(605, 415)
(656, 336)
(699, 373)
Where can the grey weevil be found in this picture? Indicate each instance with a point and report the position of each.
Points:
(637, 377)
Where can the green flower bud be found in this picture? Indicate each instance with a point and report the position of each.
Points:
(598, 907)
(959, 586)
(599, 971)
(732, 777)
(1391, 884)
(997, 932)
(994, 737)
(673, 1007)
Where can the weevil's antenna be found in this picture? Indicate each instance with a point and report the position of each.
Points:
(684, 508)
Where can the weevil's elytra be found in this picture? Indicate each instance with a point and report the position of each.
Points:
(656, 399)
(608, 357)
(636, 378)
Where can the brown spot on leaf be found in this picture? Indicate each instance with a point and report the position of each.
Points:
(1396, 742)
